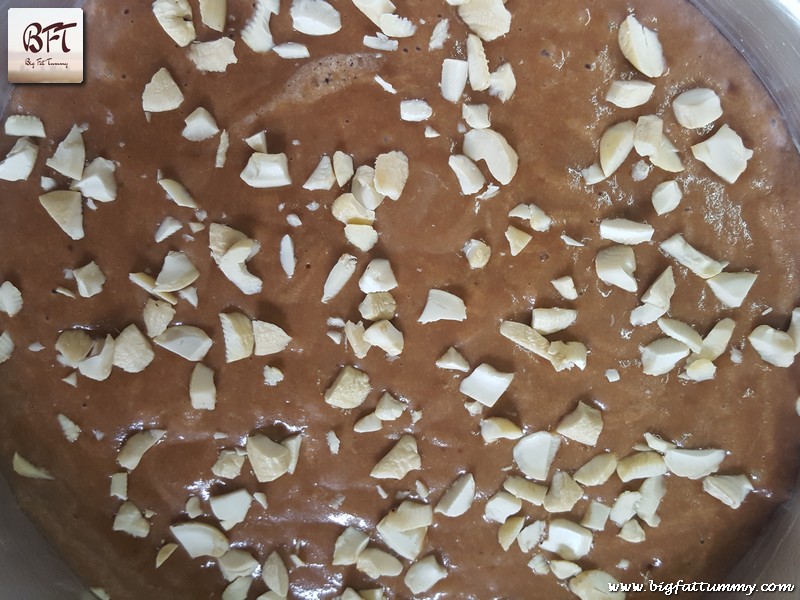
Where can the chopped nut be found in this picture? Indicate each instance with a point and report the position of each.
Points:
(268, 459)
(200, 539)
(368, 424)
(501, 506)
(340, 274)
(567, 539)
(615, 146)
(213, 56)
(175, 18)
(424, 574)
(349, 545)
(531, 536)
(134, 448)
(773, 346)
(583, 425)
(129, 519)
(99, 363)
(349, 389)
(132, 351)
(596, 516)
(200, 125)
(443, 306)
(468, 174)
(641, 465)
(494, 150)
(164, 553)
(177, 273)
(69, 156)
(378, 306)
(724, 153)
(231, 508)
(25, 468)
(458, 498)
(486, 384)
(641, 47)
(453, 361)
(732, 288)
(624, 231)
(454, 79)
(399, 461)
(728, 489)
(237, 563)
(66, 209)
(517, 239)
(496, 428)
(228, 465)
(269, 338)
(490, 19)
(377, 563)
(239, 337)
(202, 391)
(315, 17)
(597, 470)
(694, 464)
(616, 265)
(629, 94)
(661, 356)
(266, 171)
(563, 494)
(697, 108)
(275, 575)
(186, 341)
(161, 94)
(535, 453)
(681, 332)
(477, 253)
(566, 287)
(666, 197)
(10, 299)
(322, 178)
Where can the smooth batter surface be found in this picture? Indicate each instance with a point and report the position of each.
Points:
(564, 55)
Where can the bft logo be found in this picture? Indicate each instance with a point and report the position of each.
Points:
(32, 36)
(45, 45)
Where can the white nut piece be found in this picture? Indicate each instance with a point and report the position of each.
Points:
(177, 193)
(347, 209)
(616, 144)
(531, 536)
(376, 563)
(647, 135)
(694, 260)
(666, 197)
(20, 160)
(641, 47)
(596, 516)
(315, 17)
(176, 273)
(728, 489)
(732, 288)
(488, 18)
(231, 508)
(503, 83)
(322, 178)
(237, 330)
(468, 174)
(678, 330)
(191, 343)
(161, 94)
(773, 346)
(349, 545)
(24, 126)
(563, 494)
(667, 157)
(269, 338)
(363, 237)
(508, 532)
(486, 384)
(391, 174)
(415, 110)
(583, 425)
(552, 320)
(24, 468)
(641, 465)
(662, 355)
(716, 341)
(132, 351)
(129, 520)
(694, 464)
(175, 18)
(566, 287)
(632, 532)
(349, 390)
(525, 490)
(501, 506)
(629, 94)
(202, 391)
(697, 108)
(200, 125)
(377, 306)
(378, 277)
(597, 470)
(214, 56)
(476, 115)
(724, 153)
(478, 64)
(499, 428)
(384, 335)
(660, 293)
(399, 461)
(458, 498)
(275, 574)
(10, 299)
(340, 274)
(624, 231)
(535, 453)
(443, 306)
(266, 171)
(478, 253)
(99, 363)
(652, 491)
(567, 539)
(517, 239)
(134, 448)
(66, 209)
(237, 563)
(342, 167)
(424, 574)
(492, 147)
(200, 539)
(97, 181)
(268, 459)
(616, 266)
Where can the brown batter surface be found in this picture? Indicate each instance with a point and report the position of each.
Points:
(564, 55)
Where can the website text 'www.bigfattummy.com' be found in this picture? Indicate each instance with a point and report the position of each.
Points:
(675, 588)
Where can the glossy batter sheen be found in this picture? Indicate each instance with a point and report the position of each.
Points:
(564, 55)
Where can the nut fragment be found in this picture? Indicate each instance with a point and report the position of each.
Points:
(349, 545)
(376, 563)
(497, 428)
(275, 575)
(200, 539)
(70, 155)
(629, 94)
(624, 231)
(773, 346)
(202, 391)
(724, 153)
(391, 174)
(443, 306)
(66, 210)
(641, 47)
(641, 465)
(349, 390)
(237, 330)
(486, 384)
(694, 260)
(468, 174)
(385, 336)
(583, 425)
(567, 539)
(186, 341)
(597, 470)
(453, 361)
(213, 56)
(129, 520)
(20, 160)
(269, 338)
(728, 489)
(535, 453)
(399, 461)
(616, 144)
(477, 253)
(694, 464)
(175, 18)
(315, 17)
(490, 19)
(177, 273)
(596, 516)
(268, 459)
(666, 197)
(697, 108)
(132, 351)
(200, 125)
(563, 494)
(135, 446)
(10, 299)
(266, 171)
(492, 148)
(161, 94)
(454, 79)
(616, 265)
(501, 506)
(231, 508)
(99, 363)
(732, 288)
(322, 178)
(25, 468)
(661, 356)
(424, 574)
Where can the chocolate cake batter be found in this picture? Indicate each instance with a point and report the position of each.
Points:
(564, 56)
